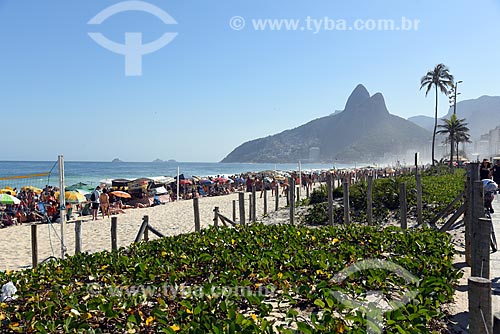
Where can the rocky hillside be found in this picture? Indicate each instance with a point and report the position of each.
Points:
(363, 131)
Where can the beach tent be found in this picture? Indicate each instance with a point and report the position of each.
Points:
(162, 179)
(159, 190)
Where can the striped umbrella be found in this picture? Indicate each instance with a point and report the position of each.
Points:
(9, 199)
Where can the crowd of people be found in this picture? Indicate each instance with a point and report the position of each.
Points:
(42, 205)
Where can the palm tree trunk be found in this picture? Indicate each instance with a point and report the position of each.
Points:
(435, 125)
(452, 135)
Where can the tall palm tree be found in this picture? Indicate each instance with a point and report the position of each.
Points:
(439, 78)
(456, 130)
(462, 138)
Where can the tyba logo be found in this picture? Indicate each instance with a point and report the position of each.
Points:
(133, 49)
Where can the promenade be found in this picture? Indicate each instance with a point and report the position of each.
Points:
(495, 257)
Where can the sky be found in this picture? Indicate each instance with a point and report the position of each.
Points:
(219, 82)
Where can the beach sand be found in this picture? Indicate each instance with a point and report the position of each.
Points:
(171, 218)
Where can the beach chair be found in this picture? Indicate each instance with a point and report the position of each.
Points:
(43, 212)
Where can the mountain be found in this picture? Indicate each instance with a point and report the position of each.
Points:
(425, 122)
(363, 131)
(481, 114)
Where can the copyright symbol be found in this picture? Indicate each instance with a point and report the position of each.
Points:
(237, 23)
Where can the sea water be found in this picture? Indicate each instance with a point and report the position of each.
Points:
(93, 172)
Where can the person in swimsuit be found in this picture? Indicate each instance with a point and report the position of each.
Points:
(104, 203)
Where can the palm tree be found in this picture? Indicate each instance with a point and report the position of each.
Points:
(456, 130)
(462, 138)
(441, 79)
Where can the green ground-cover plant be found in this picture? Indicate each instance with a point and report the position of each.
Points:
(180, 284)
(438, 190)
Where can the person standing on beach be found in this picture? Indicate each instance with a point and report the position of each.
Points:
(104, 203)
(94, 198)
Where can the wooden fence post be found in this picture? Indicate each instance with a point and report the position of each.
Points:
(307, 191)
(481, 248)
(241, 200)
(477, 211)
(216, 216)
(347, 209)
(369, 200)
(419, 197)
(473, 176)
(250, 209)
(480, 318)
(254, 204)
(234, 210)
(403, 205)
(34, 246)
(114, 228)
(265, 201)
(144, 226)
(291, 189)
(78, 236)
(277, 194)
(496, 323)
(146, 230)
(196, 208)
(330, 198)
(146, 234)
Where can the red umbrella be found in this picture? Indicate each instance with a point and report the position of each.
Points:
(221, 180)
(122, 194)
(185, 182)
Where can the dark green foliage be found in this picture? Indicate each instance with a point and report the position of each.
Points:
(319, 195)
(439, 188)
(131, 290)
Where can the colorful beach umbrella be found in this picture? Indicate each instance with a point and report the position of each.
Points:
(121, 194)
(9, 199)
(8, 191)
(33, 189)
(72, 197)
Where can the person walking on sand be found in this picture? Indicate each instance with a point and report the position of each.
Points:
(104, 203)
(94, 198)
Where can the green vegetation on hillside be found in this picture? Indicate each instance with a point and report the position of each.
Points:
(188, 283)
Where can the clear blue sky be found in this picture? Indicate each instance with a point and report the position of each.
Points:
(212, 87)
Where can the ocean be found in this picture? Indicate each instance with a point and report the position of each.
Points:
(92, 172)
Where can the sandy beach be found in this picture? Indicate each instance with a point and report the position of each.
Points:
(171, 218)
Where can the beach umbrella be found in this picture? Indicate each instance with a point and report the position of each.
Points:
(71, 197)
(9, 199)
(206, 182)
(82, 191)
(184, 181)
(33, 189)
(121, 194)
(8, 191)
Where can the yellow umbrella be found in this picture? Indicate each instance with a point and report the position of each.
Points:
(33, 189)
(8, 190)
(72, 197)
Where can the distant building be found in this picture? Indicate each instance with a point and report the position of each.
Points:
(494, 141)
(314, 154)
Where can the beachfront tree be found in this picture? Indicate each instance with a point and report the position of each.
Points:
(456, 130)
(441, 79)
